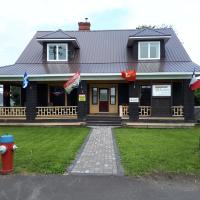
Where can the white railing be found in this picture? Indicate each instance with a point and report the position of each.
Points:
(144, 111)
(123, 111)
(56, 111)
(177, 111)
(8, 112)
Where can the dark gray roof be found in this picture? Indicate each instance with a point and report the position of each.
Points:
(59, 34)
(150, 32)
(102, 52)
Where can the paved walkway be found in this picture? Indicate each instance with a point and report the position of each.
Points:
(98, 155)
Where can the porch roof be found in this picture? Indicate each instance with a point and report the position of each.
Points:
(145, 70)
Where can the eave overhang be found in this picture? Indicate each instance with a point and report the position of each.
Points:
(71, 40)
(132, 39)
(100, 76)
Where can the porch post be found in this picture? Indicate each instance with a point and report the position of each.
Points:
(188, 102)
(6, 95)
(31, 101)
(82, 105)
(133, 101)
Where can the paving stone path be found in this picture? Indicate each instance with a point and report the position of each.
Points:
(98, 155)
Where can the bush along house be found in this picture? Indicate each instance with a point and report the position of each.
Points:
(129, 75)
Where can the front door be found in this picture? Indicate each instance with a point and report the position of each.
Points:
(103, 100)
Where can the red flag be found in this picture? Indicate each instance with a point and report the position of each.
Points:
(72, 83)
(195, 82)
(129, 75)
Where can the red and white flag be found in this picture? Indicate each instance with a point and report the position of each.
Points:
(72, 83)
(129, 75)
(195, 82)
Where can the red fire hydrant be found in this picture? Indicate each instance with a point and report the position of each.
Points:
(7, 148)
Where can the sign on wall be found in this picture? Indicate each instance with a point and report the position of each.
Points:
(161, 90)
(81, 97)
(133, 99)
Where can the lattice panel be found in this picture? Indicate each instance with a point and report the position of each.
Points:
(177, 111)
(145, 111)
(12, 111)
(56, 111)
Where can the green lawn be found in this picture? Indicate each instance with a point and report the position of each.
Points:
(145, 151)
(45, 150)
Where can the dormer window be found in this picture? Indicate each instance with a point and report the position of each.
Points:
(148, 50)
(57, 52)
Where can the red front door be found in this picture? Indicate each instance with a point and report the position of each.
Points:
(103, 100)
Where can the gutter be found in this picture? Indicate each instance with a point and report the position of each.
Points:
(100, 76)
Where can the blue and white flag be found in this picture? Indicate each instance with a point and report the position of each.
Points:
(25, 80)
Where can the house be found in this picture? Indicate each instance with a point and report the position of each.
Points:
(161, 90)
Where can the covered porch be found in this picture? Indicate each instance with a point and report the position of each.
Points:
(128, 100)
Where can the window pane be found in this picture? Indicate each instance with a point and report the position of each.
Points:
(94, 100)
(143, 50)
(112, 100)
(1, 95)
(154, 50)
(103, 95)
(94, 96)
(62, 52)
(112, 91)
(94, 91)
(52, 52)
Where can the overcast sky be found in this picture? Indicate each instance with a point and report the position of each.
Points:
(20, 19)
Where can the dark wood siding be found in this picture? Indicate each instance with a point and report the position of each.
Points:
(123, 91)
(42, 95)
(72, 98)
(162, 49)
(135, 50)
(161, 107)
(177, 93)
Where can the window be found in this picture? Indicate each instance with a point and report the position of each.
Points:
(94, 96)
(112, 96)
(148, 50)
(57, 52)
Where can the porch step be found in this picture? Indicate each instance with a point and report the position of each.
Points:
(103, 121)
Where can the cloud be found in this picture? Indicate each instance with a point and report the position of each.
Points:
(19, 20)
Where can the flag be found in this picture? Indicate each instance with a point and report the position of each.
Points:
(25, 80)
(72, 83)
(129, 75)
(195, 82)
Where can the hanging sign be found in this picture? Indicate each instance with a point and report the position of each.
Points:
(161, 90)
(81, 97)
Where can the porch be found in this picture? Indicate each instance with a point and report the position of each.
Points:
(129, 101)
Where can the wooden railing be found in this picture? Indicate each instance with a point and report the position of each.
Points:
(57, 112)
(144, 111)
(12, 112)
(123, 111)
(177, 111)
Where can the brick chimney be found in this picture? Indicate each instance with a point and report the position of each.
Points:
(84, 26)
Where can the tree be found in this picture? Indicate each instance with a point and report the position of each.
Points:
(197, 97)
(153, 26)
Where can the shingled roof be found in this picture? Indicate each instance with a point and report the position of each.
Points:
(102, 52)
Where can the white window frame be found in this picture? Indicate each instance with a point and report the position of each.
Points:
(57, 44)
(149, 44)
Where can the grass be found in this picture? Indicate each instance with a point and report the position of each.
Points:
(45, 150)
(145, 151)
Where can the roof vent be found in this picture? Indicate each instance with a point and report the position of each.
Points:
(84, 26)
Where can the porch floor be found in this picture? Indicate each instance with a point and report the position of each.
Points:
(42, 124)
(158, 125)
